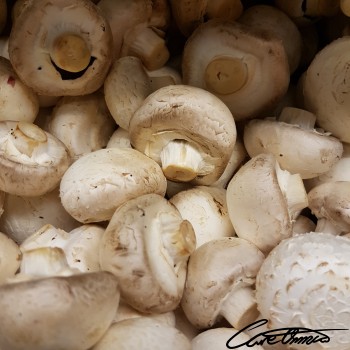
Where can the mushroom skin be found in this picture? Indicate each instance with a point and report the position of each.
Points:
(10, 257)
(235, 62)
(220, 281)
(304, 282)
(47, 42)
(32, 161)
(98, 182)
(18, 101)
(263, 201)
(325, 88)
(146, 245)
(187, 130)
(57, 313)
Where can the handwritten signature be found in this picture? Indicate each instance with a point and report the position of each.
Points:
(288, 335)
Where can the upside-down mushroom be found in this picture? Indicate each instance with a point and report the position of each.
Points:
(236, 62)
(59, 48)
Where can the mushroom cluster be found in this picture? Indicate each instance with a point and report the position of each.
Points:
(174, 174)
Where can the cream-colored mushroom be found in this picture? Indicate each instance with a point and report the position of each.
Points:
(313, 151)
(145, 333)
(125, 88)
(163, 76)
(187, 130)
(98, 182)
(329, 202)
(57, 55)
(276, 22)
(220, 283)
(119, 139)
(10, 257)
(263, 201)
(188, 15)
(64, 312)
(18, 102)
(236, 62)
(184, 325)
(326, 88)
(146, 245)
(205, 208)
(25, 215)
(304, 283)
(32, 161)
(82, 123)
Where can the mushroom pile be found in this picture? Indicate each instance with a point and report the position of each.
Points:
(174, 174)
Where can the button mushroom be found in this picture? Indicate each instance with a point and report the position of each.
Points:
(304, 282)
(146, 245)
(56, 54)
(187, 130)
(32, 161)
(263, 201)
(235, 62)
(313, 152)
(98, 182)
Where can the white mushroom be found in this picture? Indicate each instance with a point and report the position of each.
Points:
(187, 130)
(61, 49)
(10, 257)
(98, 182)
(146, 245)
(119, 139)
(17, 101)
(82, 123)
(25, 215)
(163, 76)
(206, 209)
(32, 161)
(312, 153)
(220, 283)
(304, 282)
(263, 201)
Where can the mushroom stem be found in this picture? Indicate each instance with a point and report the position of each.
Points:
(239, 308)
(180, 161)
(70, 52)
(295, 116)
(326, 226)
(293, 189)
(225, 75)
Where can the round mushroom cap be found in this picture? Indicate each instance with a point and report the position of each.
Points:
(310, 154)
(190, 114)
(32, 160)
(304, 282)
(98, 182)
(57, 313)
(214, 270)
(246, 68)
(143, 333)
(61, 49)
(331, 201)
(326, 91)
(146, 245)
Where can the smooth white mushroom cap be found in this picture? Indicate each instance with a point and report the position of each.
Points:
(142, 333)
(58, 313)
(146, 245)
(119, 139)
(305, 282)
(10, 257)
(97, 183)
(18, 101)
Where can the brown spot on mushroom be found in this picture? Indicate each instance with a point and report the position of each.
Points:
(11, 81)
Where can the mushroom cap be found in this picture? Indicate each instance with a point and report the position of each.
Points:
(58, 313)
(180, 112)
(310, 154)
(143, 333)
(119, 139)
(214, 270)
(98, 182)
(32, 160)
(146, 245)
(18, 101)
(325, 88)
(304, 282)
(331, 201)
(262, 55)
(32, 37)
